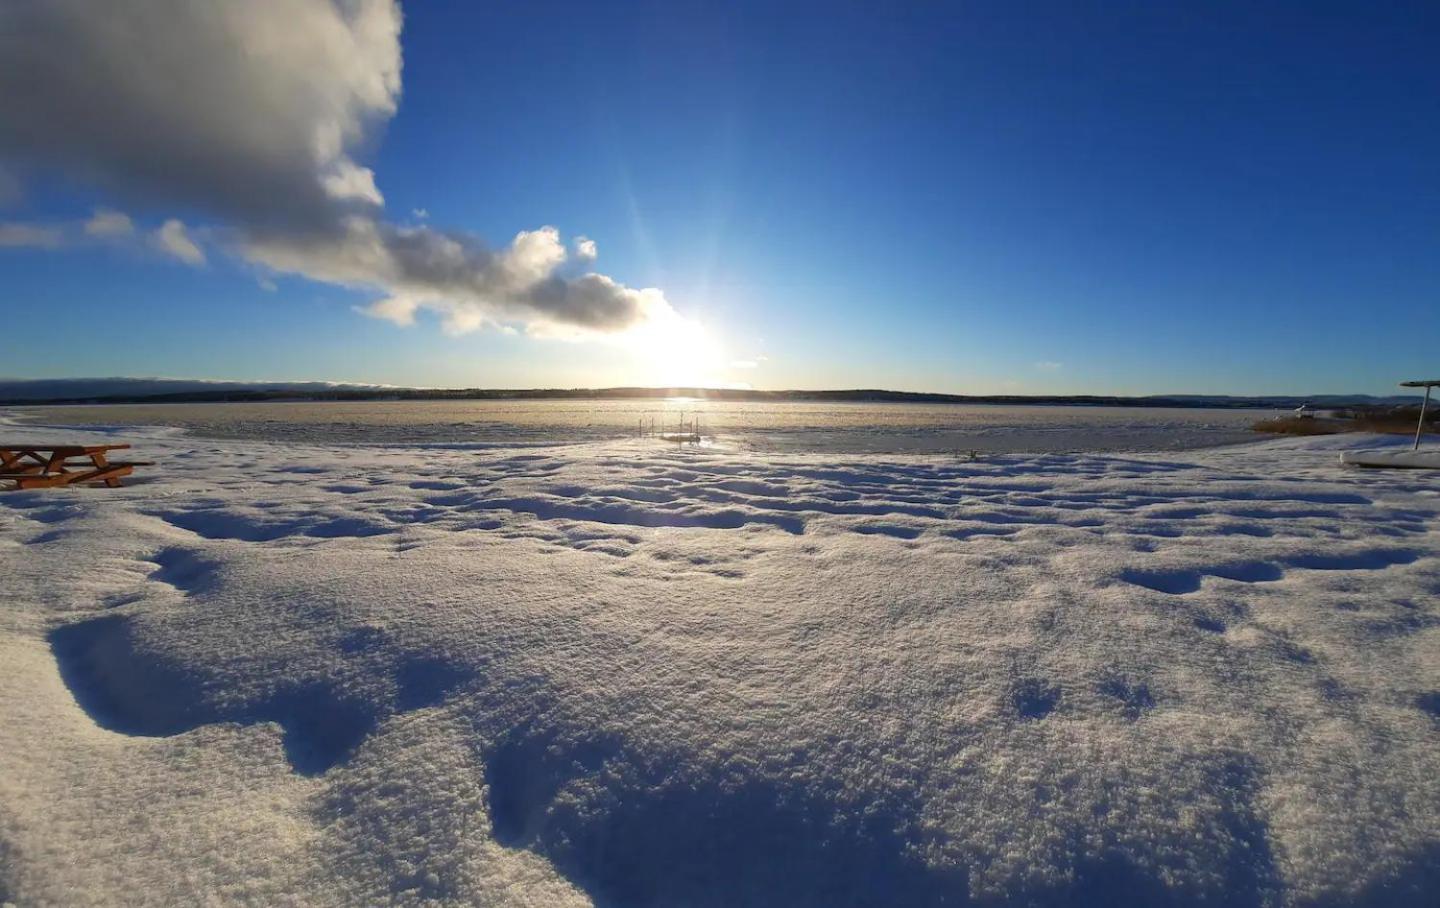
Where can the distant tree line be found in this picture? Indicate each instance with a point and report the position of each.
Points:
(240, 395)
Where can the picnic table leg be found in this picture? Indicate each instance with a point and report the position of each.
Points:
(40, 464)
(101, 462)
(22, 461)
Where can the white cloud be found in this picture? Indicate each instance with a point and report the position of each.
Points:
(585, 249)
(109, 224)
(1049, 366)
(109, 227)
(533, 256)
(252, 115)
(396, 309)
(420, 214)
(347, 180)
(465, 283)
(744, 364)
(36, 236)
(174, 240)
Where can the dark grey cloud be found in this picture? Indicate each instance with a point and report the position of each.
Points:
(243, 110)
(254, 115)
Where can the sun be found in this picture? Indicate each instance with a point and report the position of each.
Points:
(676, 352)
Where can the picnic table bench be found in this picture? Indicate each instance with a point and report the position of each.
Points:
(39, 466)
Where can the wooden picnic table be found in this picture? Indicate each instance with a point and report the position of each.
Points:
(40, 466)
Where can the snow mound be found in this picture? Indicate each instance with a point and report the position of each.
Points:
(1414, 460)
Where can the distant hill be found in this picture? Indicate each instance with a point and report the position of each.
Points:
(51, 390)
(170, 390)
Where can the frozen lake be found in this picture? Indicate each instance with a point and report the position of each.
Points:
(787, 426)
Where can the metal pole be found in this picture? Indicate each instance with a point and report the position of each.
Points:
(1420, 427)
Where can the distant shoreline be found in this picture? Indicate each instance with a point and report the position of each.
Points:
(277, 395)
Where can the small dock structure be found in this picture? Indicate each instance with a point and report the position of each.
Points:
(683, 431)
(1424, 404)
(1411, 459)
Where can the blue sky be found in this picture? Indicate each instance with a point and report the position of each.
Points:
(971, 198)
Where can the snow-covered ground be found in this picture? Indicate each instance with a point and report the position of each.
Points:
(631, 675)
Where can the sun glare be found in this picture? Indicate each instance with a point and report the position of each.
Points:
(679, 353)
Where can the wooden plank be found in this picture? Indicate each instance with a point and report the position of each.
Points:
(110, 475)
(18, 462)
(27, 468)
(16, 455)
(70, 450)
(55, 461)
(39, 482)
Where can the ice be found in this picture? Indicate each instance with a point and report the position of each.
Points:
(803, 426)
(622, 673)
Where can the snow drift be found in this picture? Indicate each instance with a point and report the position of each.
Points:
(626, 675)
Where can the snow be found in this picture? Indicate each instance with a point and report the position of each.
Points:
(1406, 459)
(624, 673)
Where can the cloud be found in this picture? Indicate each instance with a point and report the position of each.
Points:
(461, 279)
(109, 224)
(174, 240)
(585, 249)
(1049, 366)
(744, 364)
(254, 115)
(36, 236)
(108, 227)
(244, 109)
(396, 309)
(420, 214)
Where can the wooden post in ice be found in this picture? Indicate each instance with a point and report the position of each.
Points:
(1424, 403)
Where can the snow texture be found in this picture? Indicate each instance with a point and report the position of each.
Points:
(1428, 459)
(624, 674)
